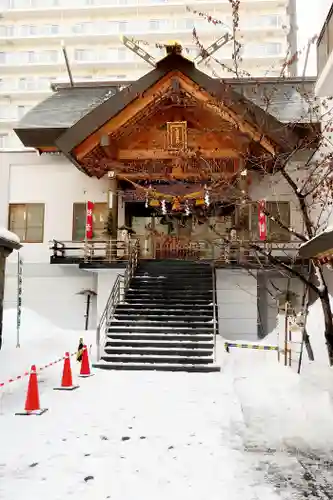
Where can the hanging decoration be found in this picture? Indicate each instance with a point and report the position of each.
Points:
(152, 193)
(154, 203)
(163, 206)
(147, 197)
(262, 222)
(89, 220)
(176, 205)
(187, 208)
(207, 199)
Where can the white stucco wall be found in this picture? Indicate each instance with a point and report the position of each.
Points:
(237, 304)
(52, 180)
(105, 282)
(52, 292)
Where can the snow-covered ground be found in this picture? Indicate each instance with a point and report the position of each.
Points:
(255, 431)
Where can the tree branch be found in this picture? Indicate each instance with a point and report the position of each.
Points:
(274, 260)
(285, 227)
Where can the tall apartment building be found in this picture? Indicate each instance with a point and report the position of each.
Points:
(325, 58)
(31, 33)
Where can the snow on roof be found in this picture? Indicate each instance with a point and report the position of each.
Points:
(329, 229)
(8, 235)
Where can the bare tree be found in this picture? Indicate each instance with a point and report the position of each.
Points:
(310, 182)
(305, 167)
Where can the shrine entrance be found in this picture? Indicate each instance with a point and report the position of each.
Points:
(177, 235)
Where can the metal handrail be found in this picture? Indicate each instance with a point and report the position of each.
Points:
(220, 249)
(112, 302)
(117, 295)
(214, 309)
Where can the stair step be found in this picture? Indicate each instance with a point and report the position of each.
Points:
(160, 318)
(163, 314)
(184, 360)
(194, 288)
(171, 301)
(148, 337)
(166, 294)
(130, 342)
(154, 350)
(170, 277)
(158, 309)
(158, 367)
(158, 329)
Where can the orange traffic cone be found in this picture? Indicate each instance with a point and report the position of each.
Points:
(85, 367)
(67, 379)
(32, 404)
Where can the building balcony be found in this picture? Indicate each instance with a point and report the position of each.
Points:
(324, 86)
(22, 9)
(114, 253)
(101, 34)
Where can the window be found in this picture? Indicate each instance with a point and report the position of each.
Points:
(81, 28)
(26, 84)
(29, 56)
(281, 211)
(27, 221)
(262, 50)
(28, 30)
(49, 56)
(4, 30)
(51, 29)
(21, 111)
(122, 26)
(100, 213)
(154, 25)
(248, 220)
(264, 21)
(123, 54)
(83, 55)
(3, 140)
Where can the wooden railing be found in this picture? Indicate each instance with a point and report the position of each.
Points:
(220, 250)
(92, 251)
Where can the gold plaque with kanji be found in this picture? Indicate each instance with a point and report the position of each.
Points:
(177, 135)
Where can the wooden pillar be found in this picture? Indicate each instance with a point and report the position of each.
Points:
(113, 205)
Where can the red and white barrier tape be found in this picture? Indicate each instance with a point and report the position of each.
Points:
(25, 374)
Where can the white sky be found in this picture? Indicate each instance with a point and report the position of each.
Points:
(311, 15)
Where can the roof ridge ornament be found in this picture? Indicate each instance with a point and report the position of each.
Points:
(174, 47)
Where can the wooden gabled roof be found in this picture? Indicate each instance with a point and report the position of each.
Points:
(267, 126)
(73, 115)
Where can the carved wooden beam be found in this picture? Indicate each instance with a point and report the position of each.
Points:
(109, 147)
(217, 107)
(161, 154)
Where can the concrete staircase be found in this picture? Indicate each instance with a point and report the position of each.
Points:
(166, 322)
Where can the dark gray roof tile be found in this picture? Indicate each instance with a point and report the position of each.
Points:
(65, 107)
(290, 101)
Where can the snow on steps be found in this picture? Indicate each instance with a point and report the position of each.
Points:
(175, 367)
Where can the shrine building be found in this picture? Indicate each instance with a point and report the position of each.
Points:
(178, 161)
